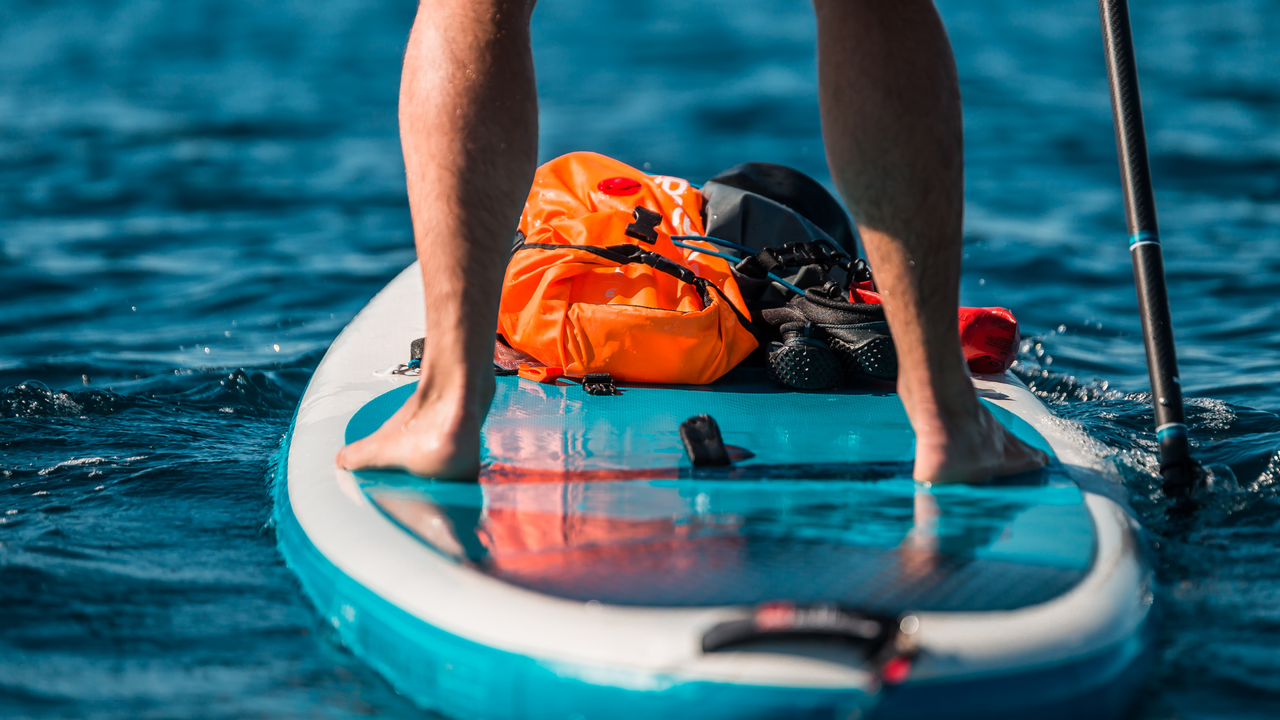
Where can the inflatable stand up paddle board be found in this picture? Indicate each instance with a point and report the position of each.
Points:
(594, 573)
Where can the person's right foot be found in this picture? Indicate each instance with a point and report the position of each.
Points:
(967, 446)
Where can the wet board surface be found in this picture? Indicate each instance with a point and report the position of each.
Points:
(592, 498)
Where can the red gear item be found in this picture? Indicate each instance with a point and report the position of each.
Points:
(989, 336)
(619, 186)
(540, 373)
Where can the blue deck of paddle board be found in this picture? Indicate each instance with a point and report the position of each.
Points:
(591, 498)
(461, 678)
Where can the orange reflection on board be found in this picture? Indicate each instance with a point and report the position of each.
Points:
(540, 525)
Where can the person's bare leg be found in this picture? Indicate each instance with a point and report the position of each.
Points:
(469, 130)
(892, 127)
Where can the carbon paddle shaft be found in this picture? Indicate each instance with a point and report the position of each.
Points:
(1144, 246)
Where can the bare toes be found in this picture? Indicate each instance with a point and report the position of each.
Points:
(362, 453)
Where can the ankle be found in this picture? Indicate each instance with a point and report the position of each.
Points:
(937, 406)
(456, 391)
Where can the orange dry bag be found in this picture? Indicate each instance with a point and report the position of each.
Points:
(596, 285)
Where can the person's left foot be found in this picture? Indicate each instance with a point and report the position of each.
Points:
(433, 435)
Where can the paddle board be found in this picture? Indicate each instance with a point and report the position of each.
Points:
(593, 572)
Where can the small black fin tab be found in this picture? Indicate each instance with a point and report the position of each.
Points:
(701, 437)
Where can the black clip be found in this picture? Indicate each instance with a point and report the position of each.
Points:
(859, 272)
(599, 384)
(644, 227)
(661, 264)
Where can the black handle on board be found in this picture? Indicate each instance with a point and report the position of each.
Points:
(1179, 470)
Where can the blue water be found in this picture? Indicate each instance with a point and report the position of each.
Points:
(196, 196)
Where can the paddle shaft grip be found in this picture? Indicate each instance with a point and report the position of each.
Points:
(1144, 244)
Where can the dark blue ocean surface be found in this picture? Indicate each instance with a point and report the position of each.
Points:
(196, 196)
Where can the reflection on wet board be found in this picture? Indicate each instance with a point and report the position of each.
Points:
(592, 498)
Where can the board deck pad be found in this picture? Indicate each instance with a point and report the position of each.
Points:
(591, 498)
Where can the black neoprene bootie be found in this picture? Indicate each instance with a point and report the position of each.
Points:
(801, 361)
(870, 351)
(857, 332)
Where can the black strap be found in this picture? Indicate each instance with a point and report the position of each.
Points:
(743, 320)
(628, 254)
(621, 254)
